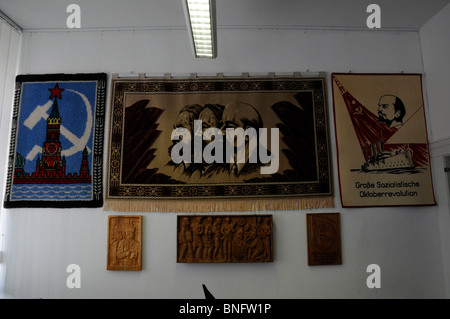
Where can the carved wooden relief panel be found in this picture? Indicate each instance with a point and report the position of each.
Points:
(324, 239)
(224, 238)
(124, 243)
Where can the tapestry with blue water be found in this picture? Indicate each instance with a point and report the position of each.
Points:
(56, 145)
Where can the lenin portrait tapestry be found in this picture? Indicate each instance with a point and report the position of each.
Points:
(381, 137)
(56, 143)
(218, 144)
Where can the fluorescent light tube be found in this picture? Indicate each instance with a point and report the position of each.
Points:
(201, 23)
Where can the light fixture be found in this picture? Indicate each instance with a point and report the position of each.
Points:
(201, 24)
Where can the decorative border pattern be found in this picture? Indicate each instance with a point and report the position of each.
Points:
(117, 189)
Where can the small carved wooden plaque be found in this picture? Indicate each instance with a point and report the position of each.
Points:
(124, 243)
(324, 239)
(224, 238)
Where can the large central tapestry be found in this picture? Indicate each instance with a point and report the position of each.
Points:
(218, 144)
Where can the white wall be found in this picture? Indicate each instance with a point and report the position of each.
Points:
(10, 41)
(434, 36)
(405, 242)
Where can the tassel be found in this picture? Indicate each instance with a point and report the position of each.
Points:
(218, 205)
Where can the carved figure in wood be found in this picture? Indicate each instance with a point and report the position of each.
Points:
(197, 232)
(229, 239)
(124, 242)
(208, 240)
(185, 240)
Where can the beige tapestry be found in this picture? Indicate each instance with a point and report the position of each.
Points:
(381, 137)
(218, 144)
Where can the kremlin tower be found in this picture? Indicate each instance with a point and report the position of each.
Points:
(51, 168)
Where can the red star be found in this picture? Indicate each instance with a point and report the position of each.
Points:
(56, 92)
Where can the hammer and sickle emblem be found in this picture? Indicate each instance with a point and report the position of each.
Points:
(78, 143)
(358, 111)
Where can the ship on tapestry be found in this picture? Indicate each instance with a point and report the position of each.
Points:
(382, 140)
(54, 155)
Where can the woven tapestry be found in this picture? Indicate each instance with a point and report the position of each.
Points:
(382, 143)
(218, 144)
(56, 148)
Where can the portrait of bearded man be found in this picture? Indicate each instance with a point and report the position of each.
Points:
(391, 111)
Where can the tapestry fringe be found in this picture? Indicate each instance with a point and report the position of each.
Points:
(218, 205)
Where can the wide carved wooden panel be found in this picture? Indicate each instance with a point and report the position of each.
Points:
(124, 243)
(324, 239)
(224, 238)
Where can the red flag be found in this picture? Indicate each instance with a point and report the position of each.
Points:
(368, 128)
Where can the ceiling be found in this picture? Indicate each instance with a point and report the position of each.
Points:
(165, 14)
